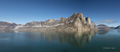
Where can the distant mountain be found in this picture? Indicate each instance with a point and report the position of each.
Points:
(48, 23)
(118, 27)
(103, 29)
(7, 25)
(76, 22)
(112, 27)
(103, 26)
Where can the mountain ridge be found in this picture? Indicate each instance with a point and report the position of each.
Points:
(76, 22)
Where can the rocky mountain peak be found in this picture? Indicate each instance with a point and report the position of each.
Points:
(77, 20)
(80, 15)
(88, 20)
(75, 13)
(77, 16)
(51, 20)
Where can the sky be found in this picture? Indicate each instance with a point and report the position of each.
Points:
(23, 11)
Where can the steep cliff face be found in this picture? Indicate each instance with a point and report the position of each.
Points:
(80, 23)
(88, 20)
(7, 25)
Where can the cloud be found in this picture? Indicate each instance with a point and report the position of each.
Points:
(108, 21)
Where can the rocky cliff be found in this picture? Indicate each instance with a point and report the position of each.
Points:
(76, 22)
(80, 23)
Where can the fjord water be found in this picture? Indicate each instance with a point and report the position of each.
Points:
(101, 41)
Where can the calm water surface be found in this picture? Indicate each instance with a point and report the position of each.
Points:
(102, 41)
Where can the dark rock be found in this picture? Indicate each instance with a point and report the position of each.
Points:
(118, 27)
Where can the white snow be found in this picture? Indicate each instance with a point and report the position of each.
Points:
(18, 26)
(10, 22)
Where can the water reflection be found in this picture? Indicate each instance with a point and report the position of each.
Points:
(58, 41)
(76, 39)
(119, 30)
(6, 31)
(103, 31)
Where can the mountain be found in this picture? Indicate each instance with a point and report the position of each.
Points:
(118, 27)
(103, 29)
(7, 25)
(76, 22)
(103, 26)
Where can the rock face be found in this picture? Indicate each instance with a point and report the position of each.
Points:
(76, 22)
(7, 25)
(62, 20)
(88, 19)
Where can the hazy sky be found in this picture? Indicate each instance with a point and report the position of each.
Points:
(23, 11)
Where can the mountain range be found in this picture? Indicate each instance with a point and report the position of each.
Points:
(103, 26)
(76, 22)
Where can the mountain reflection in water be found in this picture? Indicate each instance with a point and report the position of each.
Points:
(103, 31)
(53, 41)
(77, 39)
